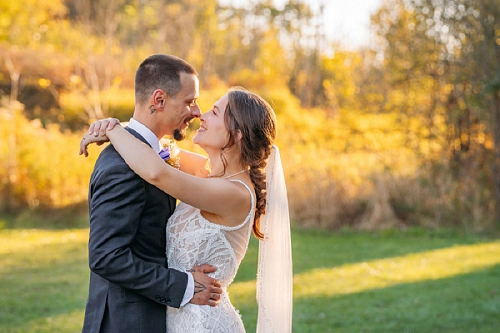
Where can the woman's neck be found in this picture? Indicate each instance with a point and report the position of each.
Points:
(233, 164)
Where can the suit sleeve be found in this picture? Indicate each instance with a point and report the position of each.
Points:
(116, 202)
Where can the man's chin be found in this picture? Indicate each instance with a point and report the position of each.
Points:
(179, 134)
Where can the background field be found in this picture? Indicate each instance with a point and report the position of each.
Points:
(393, 141)
(411, 281)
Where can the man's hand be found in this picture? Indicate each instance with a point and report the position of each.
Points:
(207, 291)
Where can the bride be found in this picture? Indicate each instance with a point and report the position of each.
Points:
(244, 192)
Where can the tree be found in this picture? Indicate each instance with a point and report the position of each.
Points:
(442, 59)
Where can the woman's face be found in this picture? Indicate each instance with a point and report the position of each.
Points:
(212, 132)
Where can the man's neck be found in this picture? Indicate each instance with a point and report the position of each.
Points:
(145, 132)
(147, 121)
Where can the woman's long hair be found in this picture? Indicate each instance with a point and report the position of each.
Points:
(255, 119)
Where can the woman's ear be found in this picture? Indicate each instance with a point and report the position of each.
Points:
(239, 136)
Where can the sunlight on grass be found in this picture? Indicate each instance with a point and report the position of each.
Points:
(352, 278)
(18, 240)
(38, 247)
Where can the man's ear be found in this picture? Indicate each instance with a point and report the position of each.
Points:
(159, 99)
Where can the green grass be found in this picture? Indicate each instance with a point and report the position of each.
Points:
(43, 280)
(391, 281)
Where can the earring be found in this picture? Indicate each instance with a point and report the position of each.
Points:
(152, 109)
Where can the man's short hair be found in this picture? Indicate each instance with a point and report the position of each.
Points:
(160, 71)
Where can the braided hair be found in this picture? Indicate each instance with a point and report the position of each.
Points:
(255, 119)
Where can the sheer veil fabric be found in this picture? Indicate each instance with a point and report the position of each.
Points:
(274, 273)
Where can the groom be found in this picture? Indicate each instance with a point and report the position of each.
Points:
(130, 284)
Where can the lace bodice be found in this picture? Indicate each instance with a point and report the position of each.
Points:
(192, 240)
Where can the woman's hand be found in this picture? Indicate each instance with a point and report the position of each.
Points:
(97, 134)
(98, 128)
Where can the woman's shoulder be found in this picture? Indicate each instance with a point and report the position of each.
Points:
(244, 204)
(246, 190)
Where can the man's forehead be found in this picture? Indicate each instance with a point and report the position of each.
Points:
(190, 85)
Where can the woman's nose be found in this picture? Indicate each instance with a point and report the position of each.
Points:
(203, 115)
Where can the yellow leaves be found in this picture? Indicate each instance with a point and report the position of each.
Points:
(116, 81)
(481, 138)
(44, 161)
(130, 11)
(342, 79)
(174, 9)
(364, 122)
(349, 146)
(44, 83)
(346, 148)
(378, 133)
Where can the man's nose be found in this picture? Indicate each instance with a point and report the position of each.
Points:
(195, 111)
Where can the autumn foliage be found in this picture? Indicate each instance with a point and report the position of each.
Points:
(402, 132)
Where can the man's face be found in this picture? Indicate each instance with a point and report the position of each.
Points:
(181, 109)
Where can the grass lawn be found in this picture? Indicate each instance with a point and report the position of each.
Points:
(392, 281)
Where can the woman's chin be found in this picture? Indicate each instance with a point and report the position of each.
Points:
(197, 141)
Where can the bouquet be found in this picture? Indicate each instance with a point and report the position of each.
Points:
(170, 152)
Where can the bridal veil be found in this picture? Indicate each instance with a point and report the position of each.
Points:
(274, 273)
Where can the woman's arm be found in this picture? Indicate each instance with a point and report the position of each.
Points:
(193, 163)
(214, 195)
(190, 162)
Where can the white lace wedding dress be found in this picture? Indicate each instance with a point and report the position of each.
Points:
(191, 241)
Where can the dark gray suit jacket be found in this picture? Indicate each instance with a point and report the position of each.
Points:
(130, 284)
